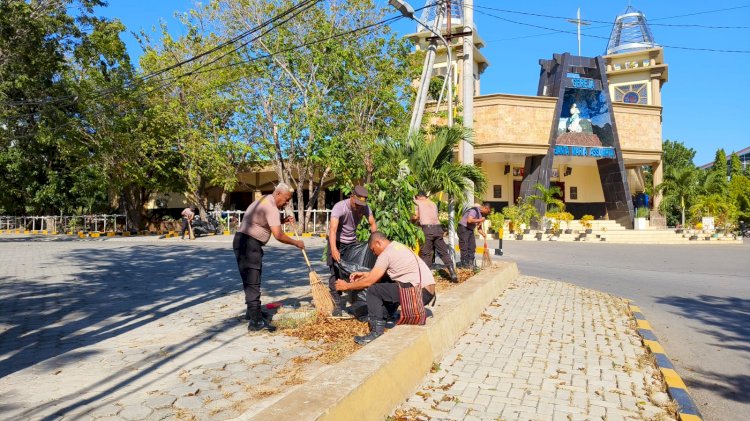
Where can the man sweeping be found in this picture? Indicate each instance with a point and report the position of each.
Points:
(467, 244)
(427, 216)
(342, 234)
(412, 288)
(262, 218)
(188, 214)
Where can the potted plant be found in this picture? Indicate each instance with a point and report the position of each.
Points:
(566, 217)
(528, 212)
(641, 222)
(496, 223)
(698, 228)
(603, 235)
(555, 230)
(513, 214)
(586, 222)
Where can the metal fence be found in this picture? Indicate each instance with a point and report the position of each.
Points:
(317, 224)
(62, 223)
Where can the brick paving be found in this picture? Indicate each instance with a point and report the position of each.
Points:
(141, 329)
(544, 350)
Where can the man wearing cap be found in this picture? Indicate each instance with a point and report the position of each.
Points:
(405, 269)
(345, 218)
(471, 218)
(427, 217)
(261, 219)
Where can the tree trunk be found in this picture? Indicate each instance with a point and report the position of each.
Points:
(134, 200)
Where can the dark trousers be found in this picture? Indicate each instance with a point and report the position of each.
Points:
(249, 254)
(335, 275)
(184, 227)
(468, 246)
(386, 293)
(433, 242)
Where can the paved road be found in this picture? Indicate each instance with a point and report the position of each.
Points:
(141, 329)
(697, 298)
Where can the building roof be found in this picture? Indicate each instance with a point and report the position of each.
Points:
(744, 155)
(630, 33)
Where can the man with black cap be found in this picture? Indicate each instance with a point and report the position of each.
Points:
(427, 217)
(342, 234)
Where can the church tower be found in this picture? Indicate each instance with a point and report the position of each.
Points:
(635, 63)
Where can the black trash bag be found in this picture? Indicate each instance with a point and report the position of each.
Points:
(355, 258)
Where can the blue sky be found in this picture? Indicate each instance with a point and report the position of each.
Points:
(705, 102)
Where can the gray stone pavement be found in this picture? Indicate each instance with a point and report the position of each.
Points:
(141, 328)
(544, 350)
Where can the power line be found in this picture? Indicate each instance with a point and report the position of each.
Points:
(607, 38)
(649, 21)
(167, 82)
(295, 10)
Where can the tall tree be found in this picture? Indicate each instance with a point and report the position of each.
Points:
(677, 155)
(720, 163)
(735, 165)
(678, 188)
(315, 96)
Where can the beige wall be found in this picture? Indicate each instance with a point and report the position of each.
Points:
(495, 176)
(515, 123)
(588, 183)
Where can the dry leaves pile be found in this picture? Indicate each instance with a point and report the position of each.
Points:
(336, 336)
(442, 280)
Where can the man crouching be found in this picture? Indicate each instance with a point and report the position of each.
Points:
(413, 285)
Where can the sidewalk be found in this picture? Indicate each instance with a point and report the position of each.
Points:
(544, 350)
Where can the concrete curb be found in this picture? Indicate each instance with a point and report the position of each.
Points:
(373, 381)
(687, 409)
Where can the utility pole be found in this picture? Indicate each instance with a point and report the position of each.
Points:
(468, 90)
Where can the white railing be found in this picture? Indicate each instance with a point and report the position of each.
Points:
(62, 223)
(318, 223)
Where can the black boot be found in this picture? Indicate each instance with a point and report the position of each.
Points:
(338, 304)
(257, 322)
(452, 274)
(377, 327)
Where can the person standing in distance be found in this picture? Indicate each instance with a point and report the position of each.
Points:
(187, 215)
(262, 218)
(471, 218)
(345, 218)
(427, 217)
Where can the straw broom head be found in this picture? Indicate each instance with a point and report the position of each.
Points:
(321, 295)
(486, 258)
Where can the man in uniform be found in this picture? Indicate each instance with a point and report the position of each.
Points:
(427, 216)
(261, 219)
(187, 216)
(345, 218)
(471, 217)
(404, 268)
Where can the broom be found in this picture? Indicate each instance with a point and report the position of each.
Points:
(321, 295)
(190, 230)
(486, 259)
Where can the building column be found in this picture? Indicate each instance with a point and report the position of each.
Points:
(655, 90)
(657, 169)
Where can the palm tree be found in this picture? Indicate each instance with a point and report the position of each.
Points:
(432, 165)
(678, 187)
(550, 196)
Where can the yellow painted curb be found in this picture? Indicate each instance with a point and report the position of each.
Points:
(382, 375)
(323, 236)
(306, 234)
(672, 378)
(689, 417)
(227, 232)
(94, 235)
(126, 233)
(54, 232)
(654, 346)
(643, 324)
(110, 234)
(69, 233)
(635, 309)
(44, 232)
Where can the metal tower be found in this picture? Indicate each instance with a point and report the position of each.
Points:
(431, 8)
(630, 33)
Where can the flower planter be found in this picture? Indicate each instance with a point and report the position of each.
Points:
(519, 236)
(527, 231)
(539, 236)
(640, 224)
(569, 231)
(693, 237)
(589, 231)
(678, 230)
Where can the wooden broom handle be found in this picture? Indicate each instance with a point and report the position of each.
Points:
(304, 253)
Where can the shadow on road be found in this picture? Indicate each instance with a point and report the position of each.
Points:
(729, 319)
(89, 294)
